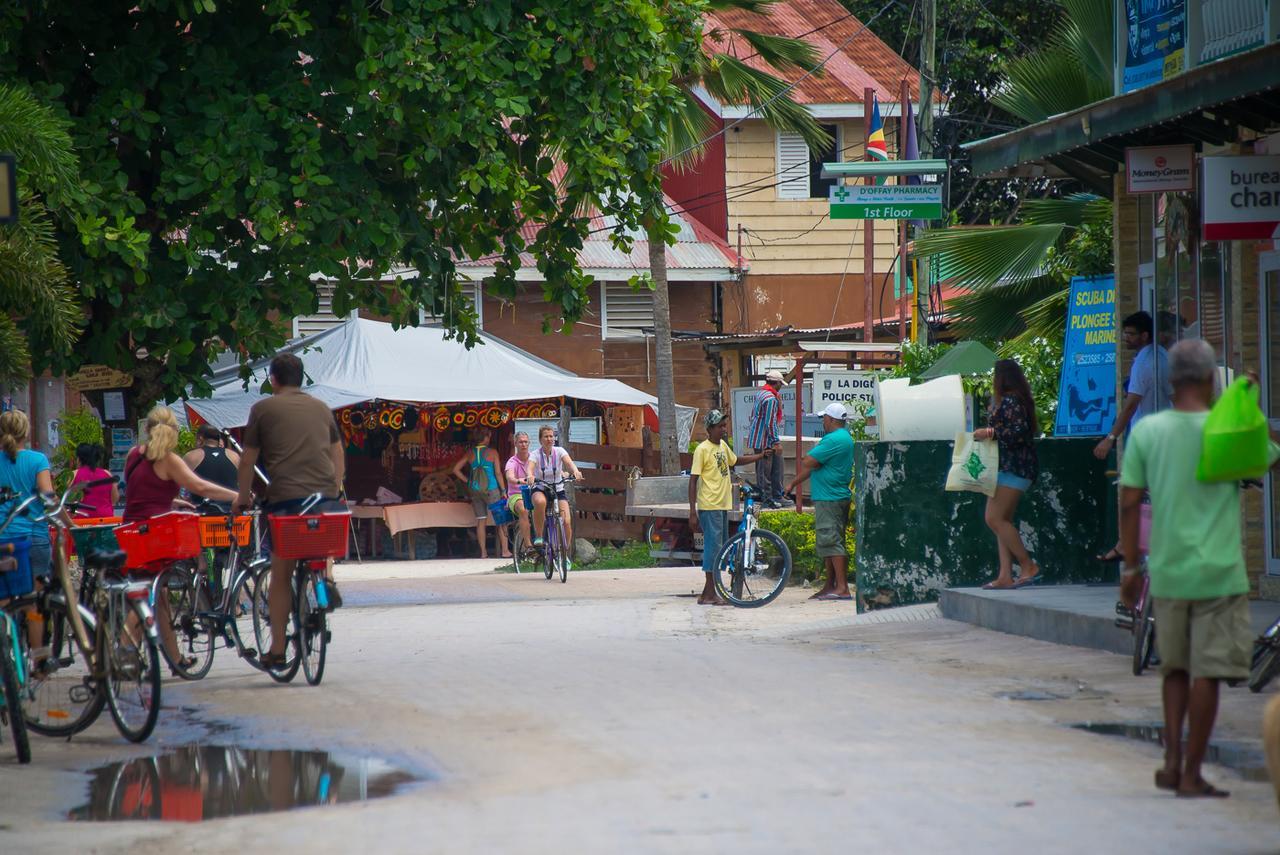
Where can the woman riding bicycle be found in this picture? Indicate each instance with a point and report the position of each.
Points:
(24, 471)
(153, 475)
(550, 462)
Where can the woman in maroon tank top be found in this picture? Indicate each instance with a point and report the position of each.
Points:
(153, 474)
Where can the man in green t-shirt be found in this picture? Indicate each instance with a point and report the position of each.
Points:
(830, 467)
(711, 497)
(1197, 569)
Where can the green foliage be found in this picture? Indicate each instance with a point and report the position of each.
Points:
(74, 427)
(230, 152)
(1071, 68)
(797, 532)
(186, 440)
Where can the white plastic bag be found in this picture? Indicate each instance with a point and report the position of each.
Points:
(974, 465)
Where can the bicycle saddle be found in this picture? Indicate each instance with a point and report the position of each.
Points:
(105, 559)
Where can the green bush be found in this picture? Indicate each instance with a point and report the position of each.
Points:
(75, 427)
(796, 531)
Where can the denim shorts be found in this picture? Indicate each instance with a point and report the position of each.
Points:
(713, 524)
(1016, 482)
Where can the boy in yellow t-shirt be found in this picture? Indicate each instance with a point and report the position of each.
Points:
(711, 496)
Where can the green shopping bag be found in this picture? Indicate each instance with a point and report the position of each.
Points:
(1236, 441)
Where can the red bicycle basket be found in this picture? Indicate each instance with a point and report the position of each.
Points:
(310, 536)
(160, 540)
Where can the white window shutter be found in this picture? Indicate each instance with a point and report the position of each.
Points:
(323, 319)
(626, 312)
(472, 291)
(793, 166)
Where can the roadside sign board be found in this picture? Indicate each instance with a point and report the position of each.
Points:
(1240, 197)
(91, 378)
(1087, 389)
(843, 387)
(886, 202)
(1160, 168)
(744, 401)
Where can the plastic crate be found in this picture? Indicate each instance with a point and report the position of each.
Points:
(310, 536)
(213, 532)
(160, 540)
(90, 537)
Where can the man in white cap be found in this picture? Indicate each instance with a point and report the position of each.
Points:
(766, 422)
(829, 465)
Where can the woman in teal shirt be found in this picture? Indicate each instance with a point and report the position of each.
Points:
(24, 472)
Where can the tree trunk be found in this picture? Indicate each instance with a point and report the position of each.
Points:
(667, 434)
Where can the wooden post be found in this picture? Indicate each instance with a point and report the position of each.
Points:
(799, 369)
(868, 234)
(903, 99)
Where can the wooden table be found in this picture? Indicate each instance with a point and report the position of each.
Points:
(414, 515)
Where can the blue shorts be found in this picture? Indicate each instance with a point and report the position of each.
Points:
(713, 524)
(1016, 482)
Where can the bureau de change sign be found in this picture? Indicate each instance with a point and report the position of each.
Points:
(1241, 197)
(886, 202)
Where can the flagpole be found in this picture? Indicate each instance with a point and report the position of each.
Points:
(868, 228)
(903, 100)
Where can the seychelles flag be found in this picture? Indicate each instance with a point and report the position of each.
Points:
(876, 146)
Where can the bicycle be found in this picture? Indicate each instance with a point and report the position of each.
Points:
(309, 540)
(757, 562)
(1141, 619)
(13, 676)
(217, 604)
(1265, 664)
(556, 549)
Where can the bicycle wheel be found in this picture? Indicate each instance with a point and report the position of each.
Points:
(263, 631)
(12, 708)
(239, 614)
(62, 697)
(517, 544)
(755, 581)
(133, 671)
(1144, 636)
(313, 627)
(1266, 665)
(548, 553)
(187, 600)
(563, 550)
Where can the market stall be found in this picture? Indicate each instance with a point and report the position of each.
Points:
(406, 402)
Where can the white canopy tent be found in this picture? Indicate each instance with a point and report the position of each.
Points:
(362, 360)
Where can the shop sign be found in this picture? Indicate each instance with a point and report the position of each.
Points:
(1087, 389)
(1240, 197)
(854, 388)
(1155, 43)
(91, 378)
(886, 202)
(1160, 168)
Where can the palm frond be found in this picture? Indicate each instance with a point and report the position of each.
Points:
(688, 128)
(985, 256)
(1090, 30)
(15, 358)
(1075, 210)
(732, 81)
(1047, 317)
(782, 52)
(33, 280)
(999, 312)
(1072, 69)
(39, 139)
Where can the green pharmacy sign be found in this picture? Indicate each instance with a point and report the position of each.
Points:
(881, 202)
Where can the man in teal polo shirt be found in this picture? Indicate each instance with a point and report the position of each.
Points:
(829, 465)
(1198, 578)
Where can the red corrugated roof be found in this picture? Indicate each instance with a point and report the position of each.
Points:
(864, 61)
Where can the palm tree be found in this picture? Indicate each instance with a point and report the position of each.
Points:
(36, 299)
(1017, 276)
(731, 81)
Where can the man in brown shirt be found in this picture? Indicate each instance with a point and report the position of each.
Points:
(296, 440)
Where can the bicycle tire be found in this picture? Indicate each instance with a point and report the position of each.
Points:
(739, 591)
(517, 544)
(562, 554)
(548, 554)
(262, 629)
(1144, 636)
(13, 695)
(239, 613)
(193, 634)
(313, 627)
(1266, 665)
(133, 687)
(62, 697)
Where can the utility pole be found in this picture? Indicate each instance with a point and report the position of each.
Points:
(929, 29)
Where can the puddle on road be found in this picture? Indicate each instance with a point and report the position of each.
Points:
(1246, 758)
(192, 783)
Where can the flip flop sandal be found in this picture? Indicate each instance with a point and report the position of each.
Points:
(992, 586)
(1027, 581)
(1204, 791)
(1111, 556)
(272, 662)
(1166, 780)
(187, 662)
(830, 597)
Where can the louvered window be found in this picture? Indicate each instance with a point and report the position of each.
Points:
(793, 167)
(626, 313)
(323, 319)
(471, 291)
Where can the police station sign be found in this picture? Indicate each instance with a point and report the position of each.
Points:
(1240, 197)
(843, 387)
(1160, 168)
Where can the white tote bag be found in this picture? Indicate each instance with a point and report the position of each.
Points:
(974, 465)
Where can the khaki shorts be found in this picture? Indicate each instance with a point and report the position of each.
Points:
(481, 500)
(1205, 638)
(830, 520)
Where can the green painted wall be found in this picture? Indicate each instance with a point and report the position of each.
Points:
(915, 539)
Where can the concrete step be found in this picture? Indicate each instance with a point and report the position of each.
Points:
(1080, 615)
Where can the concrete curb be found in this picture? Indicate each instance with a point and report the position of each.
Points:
(1060, 620)
(923, 611)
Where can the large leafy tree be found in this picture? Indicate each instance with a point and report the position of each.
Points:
(730, 80)
(233, 149)
(36, 300)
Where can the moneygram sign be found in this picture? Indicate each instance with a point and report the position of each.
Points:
(886, 202)
(1160, 169)
(1240, 197)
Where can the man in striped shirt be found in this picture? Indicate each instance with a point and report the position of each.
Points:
(766, 422)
